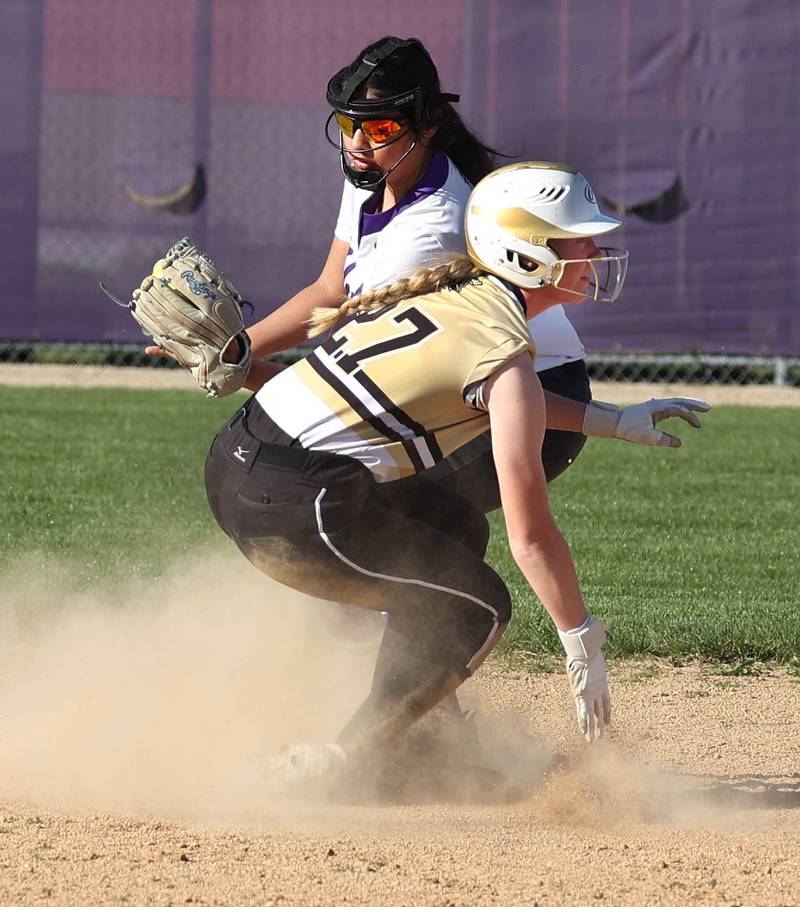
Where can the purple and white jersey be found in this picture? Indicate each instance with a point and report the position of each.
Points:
(387, 246)
(390, 245)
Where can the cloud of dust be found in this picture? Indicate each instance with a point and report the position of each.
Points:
(169, 698)
(602, 786)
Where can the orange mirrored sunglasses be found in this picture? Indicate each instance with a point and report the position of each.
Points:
(379, 131)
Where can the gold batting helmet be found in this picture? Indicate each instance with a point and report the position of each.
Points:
(513, 212)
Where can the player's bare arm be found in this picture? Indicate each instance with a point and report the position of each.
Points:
(517, 410)
(536, 543)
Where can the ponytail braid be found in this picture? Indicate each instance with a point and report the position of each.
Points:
(429, 280)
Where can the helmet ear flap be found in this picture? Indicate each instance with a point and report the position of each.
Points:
(524, 262)
(535, 272)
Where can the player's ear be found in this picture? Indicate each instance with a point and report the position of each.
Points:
(427, 135)
(431, 127)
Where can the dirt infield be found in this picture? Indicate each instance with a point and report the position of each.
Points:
(134, 731)
(695, 799)
(612, 392)
(134, 739)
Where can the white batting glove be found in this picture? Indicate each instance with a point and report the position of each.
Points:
(588, 676)
(638, 423)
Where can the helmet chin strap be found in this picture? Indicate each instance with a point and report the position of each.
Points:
(369, 179)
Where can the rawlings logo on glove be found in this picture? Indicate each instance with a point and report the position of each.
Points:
(193, 313)
(200, 289)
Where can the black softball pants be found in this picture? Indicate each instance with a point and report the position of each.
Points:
(470, 471)
(319, 523)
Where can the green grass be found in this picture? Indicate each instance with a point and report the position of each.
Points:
(689, 552)
(685, 553)
(93, 477)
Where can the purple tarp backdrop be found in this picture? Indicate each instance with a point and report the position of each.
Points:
(683, 114)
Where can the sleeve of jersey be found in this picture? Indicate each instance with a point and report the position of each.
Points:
(344, 222)
(503, 340)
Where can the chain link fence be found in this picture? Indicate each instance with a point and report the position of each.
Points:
(780, 371)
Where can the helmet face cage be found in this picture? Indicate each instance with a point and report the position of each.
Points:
(608, 272)
(512, 259)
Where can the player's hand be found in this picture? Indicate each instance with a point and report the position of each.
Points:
(638, 423)
(157, 351)
(588, 680)
(588, 676)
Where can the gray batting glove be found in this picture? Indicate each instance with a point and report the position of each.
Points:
(638, 423)
(588, 676)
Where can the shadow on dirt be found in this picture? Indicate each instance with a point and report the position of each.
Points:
(752, 791)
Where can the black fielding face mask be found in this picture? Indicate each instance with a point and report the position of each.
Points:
(372, 180)
(342, 94)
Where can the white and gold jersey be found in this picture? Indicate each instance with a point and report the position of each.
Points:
(388, 388)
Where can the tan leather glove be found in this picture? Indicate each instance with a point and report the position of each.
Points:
(194, 313)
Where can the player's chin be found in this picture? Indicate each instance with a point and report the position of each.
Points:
(569, 296)
(578, 293)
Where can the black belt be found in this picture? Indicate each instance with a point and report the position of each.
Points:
(285, 457)
(266, 442)
(247, 449)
